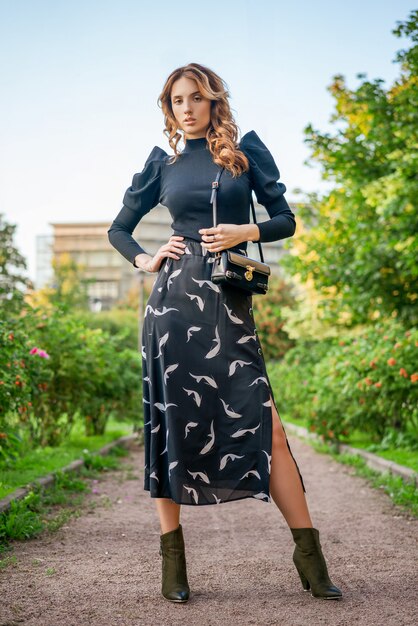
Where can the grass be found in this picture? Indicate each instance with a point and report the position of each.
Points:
(293, 420)
(358, 439)
(403, 456)
(46, 509)
(402, 493)
(41, 461)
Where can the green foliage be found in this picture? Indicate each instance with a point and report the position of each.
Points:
(37, 511)
(360, 248)
(269, 320)
(31, 463)
(365, 380)
(91, 374)
(292, 376)
(20, 523)
(54, 368)
(69, 287)
(86, 368)
(14, 381)
(65, 481)
(99, 462)
(121, 322)
(12, 281)
(394, 439)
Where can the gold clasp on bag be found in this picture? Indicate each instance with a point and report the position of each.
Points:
(249, 273)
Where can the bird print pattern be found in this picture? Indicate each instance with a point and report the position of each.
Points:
(206, 390)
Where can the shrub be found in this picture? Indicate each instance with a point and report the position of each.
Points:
(364, 381)
(54, 368)
(293, 376)
(91, 375)
(269, 320)
(121, 322)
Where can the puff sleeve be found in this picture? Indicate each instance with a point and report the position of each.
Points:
(139, 199)
(264, 175)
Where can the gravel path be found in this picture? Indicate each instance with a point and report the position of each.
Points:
(107, 569)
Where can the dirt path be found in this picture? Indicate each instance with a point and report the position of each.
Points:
(107, 566)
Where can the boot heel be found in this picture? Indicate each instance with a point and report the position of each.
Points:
(305, 582)
(308, 555)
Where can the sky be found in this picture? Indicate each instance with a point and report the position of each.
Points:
(80, 82)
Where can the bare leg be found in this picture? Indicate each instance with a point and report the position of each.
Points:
(285, 485)
(169, 513)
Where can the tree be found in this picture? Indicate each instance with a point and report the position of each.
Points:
(12, 281)
(360, 247)
(68, 290)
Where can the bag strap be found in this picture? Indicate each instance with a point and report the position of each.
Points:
(213, 200)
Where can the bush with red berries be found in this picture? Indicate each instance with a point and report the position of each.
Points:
(365, 380)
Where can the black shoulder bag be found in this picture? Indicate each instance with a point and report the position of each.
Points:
(235, 269)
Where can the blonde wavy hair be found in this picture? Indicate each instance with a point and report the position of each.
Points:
(222, 133)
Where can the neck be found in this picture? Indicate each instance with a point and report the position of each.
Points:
(195, 143)
(186, 137)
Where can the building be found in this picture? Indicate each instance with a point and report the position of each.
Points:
(88, 244)
(44, 254)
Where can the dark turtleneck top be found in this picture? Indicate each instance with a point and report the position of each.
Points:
(185, 189)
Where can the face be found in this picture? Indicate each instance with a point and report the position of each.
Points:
(188, 102)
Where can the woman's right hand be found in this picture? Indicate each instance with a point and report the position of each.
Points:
(172, 248)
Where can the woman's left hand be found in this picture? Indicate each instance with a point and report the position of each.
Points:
(224, 236)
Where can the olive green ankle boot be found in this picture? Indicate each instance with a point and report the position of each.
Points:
(175, 586)
(311, 566)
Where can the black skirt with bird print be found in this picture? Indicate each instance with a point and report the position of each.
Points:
(206, 391)
(207, 396)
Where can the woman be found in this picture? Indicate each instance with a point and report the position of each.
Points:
(212, 432)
